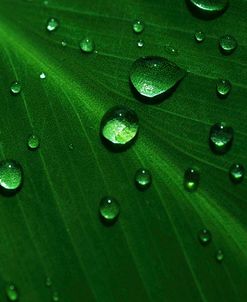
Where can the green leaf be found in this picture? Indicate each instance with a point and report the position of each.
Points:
(51, 227)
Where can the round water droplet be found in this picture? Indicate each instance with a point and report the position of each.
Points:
(119, 127)
(52, 24)
(154, 77)
(221, 138)
(11, 176)
(200, 36)
(15, 87)
(138, 26)
(48, 282)
(191, 179)
(33, 142)
(64, 44)
(228, 44)
(223, 88)
(11, 292)
(140, 43)
(109, 209)
(236, 173)
(42, 76)
(55, 297)
(204, 237)
(87, 45)
(143, 179)
(207, 9)
(219, 256)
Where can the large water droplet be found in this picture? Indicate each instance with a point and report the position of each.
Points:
(236, 173)
(228, 44)
(109, 209)
(52, 24)
(223, 88)
(15, 87)
(220, 138)
(138, 26)
(154, 77)
(11, 292)
(207, 9)
(143, 179)
(219, 256)
(11, 176)
(119, 127)
(87, 45)
(33, 142)
(199, 36)
(204, 237)
(191, 179)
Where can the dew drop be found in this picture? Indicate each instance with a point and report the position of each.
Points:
(119, 127)
(221, 138)
(48, 282)
(52, 24)
(64, 44)
(71, 146)
(223, 88)
(12, 292)
(42, 76)
(154, 77)
(228, 44)
(219, 256)
(236, 173)
(11, 176)
(200, 36)
(138, 26)
(87, 45)
(55, 297)
(143, 179)
(208, 9)
(15, 88)
(204, 237)
(33, 142)
(140, 43)
(109, 209)
(191, 179)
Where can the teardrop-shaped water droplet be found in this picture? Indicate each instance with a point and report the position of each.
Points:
(87, 45)
(207, 9)
(143, 179)
(15, 88)
(48, 282)
(33, 142)
(140, 43)
(236, 173)
(138, 26)
(204, 237)
(12, 292)
(221, 138)
(154, 77)
(11, 176)
(55, 297)
(223, 88)
(219, 256)
(109, 209)
(191, 179)
(228, 44)
(119, 127)
(200, 36)
(52, 24)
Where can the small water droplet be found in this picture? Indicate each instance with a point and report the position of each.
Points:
(154, 77)
(200, 36)
(71, 146)
(138, 26)
(33, 142)
(140, 43)
(191, 179)
(204, 237)
(208, 9)
(109, 209)
(221, 138)
(143, 179)
(11, 176)
(42, 75)
(236, 173)
(46, 2)
(48, 282)
(12, 292)
(119, 127)
(55, 296)
(219, 256)
(223, 88)
(64, 44)
(87, 45)
(15, 87)
(52, 24)
(228, 44)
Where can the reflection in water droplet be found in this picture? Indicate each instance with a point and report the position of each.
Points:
(199, 36)
(143, 179)
(236, 173)
(223, 88)
(52, 24)
(11, 176)
(15, 87)
(140, 43)
(204, 237)
(11, 292)
(87, 45)
(109, 209)
(138, 26)
(221, 138)
(208, 9)
(191, 179)
(228, 44)
(219, 256)
(33, 142)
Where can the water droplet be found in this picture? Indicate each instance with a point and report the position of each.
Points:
(236, 173)
(87, 45)
(11, 176)
(64, 44)
(15, 87)
(138, 26)
(191, 179)
(200, 36)
(140, 43)
(228, 44)
(109, 209)
(119, 127)
(220, 138)
(219, 256)
(11, 292)
(48, 282)
(223, 88)
(204, 237)
(33, 142)
(154, 77)
(143, 179)
(46, 2)
(42, 75)
(71, 146)
(208, 9)
(52, 24)
(55, 297)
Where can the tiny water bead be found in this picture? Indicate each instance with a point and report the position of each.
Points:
(208, 8)
(33, 142)
(12, 292)
(154, 77)
(48, 282)
(138, 26)
(143, 179)
(219, 256)
(52, 24)
(64, 44)
(221, 138)
(55, 297)
(228, 44)
(42, 76)
(191, 179)
(11, 175)
(119, 127)
(87, 45)
(204, 237)
(236, 173)
(199, 36)
(109, 209)
(223, 88)
(140, 43)
(15, 87)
